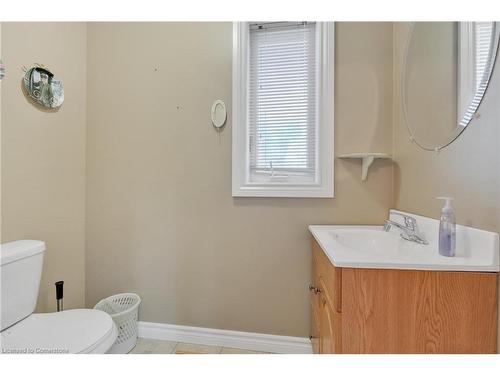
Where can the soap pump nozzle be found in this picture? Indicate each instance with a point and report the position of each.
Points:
(447, 204)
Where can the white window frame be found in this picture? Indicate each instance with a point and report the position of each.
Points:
(323, 187)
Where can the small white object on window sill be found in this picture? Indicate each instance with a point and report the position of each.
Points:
(366, 160)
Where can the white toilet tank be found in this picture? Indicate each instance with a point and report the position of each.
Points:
(21, 269)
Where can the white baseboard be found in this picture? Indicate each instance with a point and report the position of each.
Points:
(233, 339)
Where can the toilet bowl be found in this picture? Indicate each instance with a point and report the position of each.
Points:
(70, 331)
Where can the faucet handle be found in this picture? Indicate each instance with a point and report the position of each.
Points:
(410, 222)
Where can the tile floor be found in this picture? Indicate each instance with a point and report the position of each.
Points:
(148, 346)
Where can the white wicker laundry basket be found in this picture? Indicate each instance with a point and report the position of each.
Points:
(124, 309)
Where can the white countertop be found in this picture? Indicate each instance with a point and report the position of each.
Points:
(371, 247)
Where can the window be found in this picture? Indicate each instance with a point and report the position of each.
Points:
(283, 109)
(475, 48)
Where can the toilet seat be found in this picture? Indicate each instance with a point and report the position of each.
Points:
(70, 331)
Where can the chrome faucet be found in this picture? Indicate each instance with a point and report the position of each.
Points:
(409, 231)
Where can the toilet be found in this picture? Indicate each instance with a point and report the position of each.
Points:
(70, 331)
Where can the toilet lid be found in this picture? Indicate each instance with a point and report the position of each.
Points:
(70, 331)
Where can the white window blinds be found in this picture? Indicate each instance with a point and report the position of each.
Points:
(475, 48)
(483, 42)
(282, 102)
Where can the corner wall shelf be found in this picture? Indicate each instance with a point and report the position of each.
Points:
(366, 160)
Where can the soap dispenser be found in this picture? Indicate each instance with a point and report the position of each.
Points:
(447, 229)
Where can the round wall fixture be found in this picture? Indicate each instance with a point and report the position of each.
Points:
(219, 114)
(43, 87)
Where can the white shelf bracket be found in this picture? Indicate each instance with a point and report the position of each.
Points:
(365, 165)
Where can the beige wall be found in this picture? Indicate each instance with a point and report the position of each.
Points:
(468, 170)
(43, 154)
(160, 217)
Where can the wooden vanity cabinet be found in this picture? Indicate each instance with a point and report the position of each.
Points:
(359, 310)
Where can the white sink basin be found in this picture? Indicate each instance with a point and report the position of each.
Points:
(371, 247)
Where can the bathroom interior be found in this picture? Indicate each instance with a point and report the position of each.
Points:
(250, 187)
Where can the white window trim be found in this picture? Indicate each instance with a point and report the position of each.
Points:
(324, 188)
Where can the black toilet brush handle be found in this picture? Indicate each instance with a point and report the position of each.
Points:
(59, 295)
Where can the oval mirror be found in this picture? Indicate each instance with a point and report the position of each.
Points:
(43, 87)
(446, 70)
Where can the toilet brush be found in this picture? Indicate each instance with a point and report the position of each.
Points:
(59, 295)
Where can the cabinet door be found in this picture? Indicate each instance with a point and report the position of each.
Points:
(315, 324)
(329, 324)
(315, 310)
(326, 328)
(331, 275)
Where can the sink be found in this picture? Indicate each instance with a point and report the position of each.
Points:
(372, 239)
(371, 247)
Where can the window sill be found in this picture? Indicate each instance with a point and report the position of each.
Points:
(284, 192)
